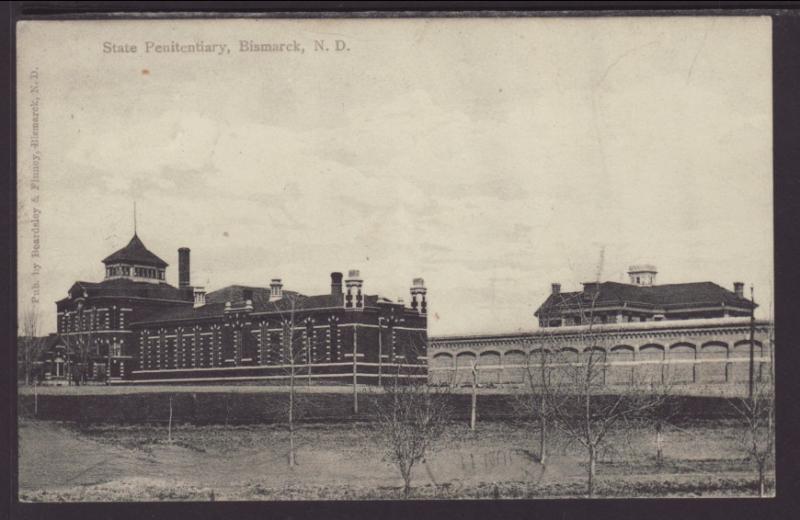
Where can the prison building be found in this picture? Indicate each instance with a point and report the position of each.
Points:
(641, 300)
(269, 334)
(94, 334)
(693, 336)
(133, 326)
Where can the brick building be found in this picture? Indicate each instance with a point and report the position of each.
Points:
(136, 327)
(642, 300)
(94, 320)
(695, 336)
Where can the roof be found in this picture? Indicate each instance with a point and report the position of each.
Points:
(48, 344)
(235, 293)
(215, 304)
(135, 253)
(667, 297)
(187, 312)
(126, 288)
(261, 303)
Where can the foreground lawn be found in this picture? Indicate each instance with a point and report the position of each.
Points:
(64, 462)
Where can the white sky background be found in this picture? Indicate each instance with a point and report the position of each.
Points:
(491, 157)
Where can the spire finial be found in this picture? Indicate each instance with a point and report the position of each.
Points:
(134, 218)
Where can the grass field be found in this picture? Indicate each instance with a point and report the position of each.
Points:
(67, 462)
(709, 390)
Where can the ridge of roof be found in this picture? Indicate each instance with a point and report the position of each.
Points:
(235, 292)
(301, 302)
(662, 296)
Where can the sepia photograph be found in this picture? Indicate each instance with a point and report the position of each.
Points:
(395, 258)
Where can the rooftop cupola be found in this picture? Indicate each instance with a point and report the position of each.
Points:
(135, 262)
(643, 275)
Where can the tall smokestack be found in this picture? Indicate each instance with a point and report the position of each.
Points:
(183, 267)
(336, 284)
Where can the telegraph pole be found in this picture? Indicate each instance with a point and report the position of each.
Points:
(752, 346)
(308, 352)
(380, 349)
(355, 368)
(474, 395)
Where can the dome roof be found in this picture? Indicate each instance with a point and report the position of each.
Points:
(135, 253)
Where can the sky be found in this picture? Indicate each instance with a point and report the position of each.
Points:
(491, 157)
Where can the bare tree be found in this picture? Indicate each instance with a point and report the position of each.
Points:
(169, 423)
(295, 352)
(82, 343)
(29, 343)
(70, 356)
(545, 386)
(756, 417)
(411, 415)
(573, 392)
(534, 398)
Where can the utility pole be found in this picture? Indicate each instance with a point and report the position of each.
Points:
(355, 368)
(380, 349)
(474, 396)
(308, 353)
(752, 347)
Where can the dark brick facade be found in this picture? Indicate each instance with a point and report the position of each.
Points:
(248, 339)
(133, 326)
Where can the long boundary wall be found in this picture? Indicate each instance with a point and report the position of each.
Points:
(712, 353)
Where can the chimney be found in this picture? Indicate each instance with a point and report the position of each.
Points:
(336, 284)
(199, 296)
(738, 288)
(556, 287)
(183, 267)
(590, 288)
(354, 299)
(418, 289)
(275, 290)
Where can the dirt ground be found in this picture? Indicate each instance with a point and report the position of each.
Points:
(63, 462)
